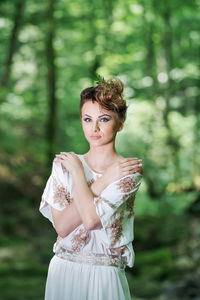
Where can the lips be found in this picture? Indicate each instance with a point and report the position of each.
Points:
(95, 137)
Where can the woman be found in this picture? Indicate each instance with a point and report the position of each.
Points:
(89, 198)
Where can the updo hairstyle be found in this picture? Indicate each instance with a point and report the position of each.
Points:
(109, 96)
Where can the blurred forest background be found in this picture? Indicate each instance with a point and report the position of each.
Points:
(51, 50)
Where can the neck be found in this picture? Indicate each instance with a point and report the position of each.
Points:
(101, 157)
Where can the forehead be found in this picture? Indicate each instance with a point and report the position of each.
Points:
(95, 109)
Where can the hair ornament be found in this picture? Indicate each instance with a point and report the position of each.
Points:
(99, 79)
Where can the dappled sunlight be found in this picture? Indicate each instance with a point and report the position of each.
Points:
(49, 54)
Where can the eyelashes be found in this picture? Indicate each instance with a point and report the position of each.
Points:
(104, 120)
(87, 120)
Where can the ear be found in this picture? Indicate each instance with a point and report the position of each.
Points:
(121, 125)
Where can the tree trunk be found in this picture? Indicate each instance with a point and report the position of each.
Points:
(17, 18)
(108, 9)
(149, 28)
(171, 140)
(51, 85)
(97, 59)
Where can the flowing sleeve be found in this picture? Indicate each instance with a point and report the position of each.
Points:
(115, 207)
(57, 192)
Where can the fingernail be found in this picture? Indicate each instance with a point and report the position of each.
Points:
(139, 159)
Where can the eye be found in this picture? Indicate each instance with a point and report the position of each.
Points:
(104, 119)
(87, 120)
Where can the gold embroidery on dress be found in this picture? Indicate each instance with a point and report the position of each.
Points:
(90, 182)
(126, 184)
(112, 205)
(130, 205)
(116, 228)
(80, 239)
(118, 251)
(98, 200)
(92, 258)
(60, 194)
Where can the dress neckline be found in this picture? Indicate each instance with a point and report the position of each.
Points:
(89, 167)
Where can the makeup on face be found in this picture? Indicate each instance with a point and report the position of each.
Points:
(99, 125)
(102, 118)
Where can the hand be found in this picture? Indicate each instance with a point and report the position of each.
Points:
(121, 168)
(70, 161)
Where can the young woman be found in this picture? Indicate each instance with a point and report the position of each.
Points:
(89, 198)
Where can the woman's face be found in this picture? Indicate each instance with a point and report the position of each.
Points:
(100, 126)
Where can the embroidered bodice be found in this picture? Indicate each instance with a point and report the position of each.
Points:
(114, 206)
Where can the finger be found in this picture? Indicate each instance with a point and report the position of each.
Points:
(73, 154)
(129, 172)
(132, 158)
(128, 159)
(133, 167)
(68, 154)
(64, 153)
(130, 169)
(130, 163)
(61, 156)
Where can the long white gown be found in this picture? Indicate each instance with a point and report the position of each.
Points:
(90, 265)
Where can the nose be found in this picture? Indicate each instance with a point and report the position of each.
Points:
(95, 126)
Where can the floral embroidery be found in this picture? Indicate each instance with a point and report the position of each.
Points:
(116, 228)
(130, 205)
(91, 258)
(126, 184)
(98, 200)
(90, 182)
(61, 195)
(112, 205)
(118, 251)
(80, 239)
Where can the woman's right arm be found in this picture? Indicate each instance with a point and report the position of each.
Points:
(68, 219)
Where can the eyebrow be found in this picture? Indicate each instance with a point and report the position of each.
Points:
(98, 116)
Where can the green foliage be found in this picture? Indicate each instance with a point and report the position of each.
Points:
(153, 47)
(99, 79)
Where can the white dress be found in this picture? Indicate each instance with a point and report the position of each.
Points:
(90, 265)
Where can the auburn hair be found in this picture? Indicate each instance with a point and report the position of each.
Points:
(109, 95)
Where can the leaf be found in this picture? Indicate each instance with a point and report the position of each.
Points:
(99, 79)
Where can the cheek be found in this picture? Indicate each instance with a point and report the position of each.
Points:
(116, 126)
(85, 128)
(108, 130)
